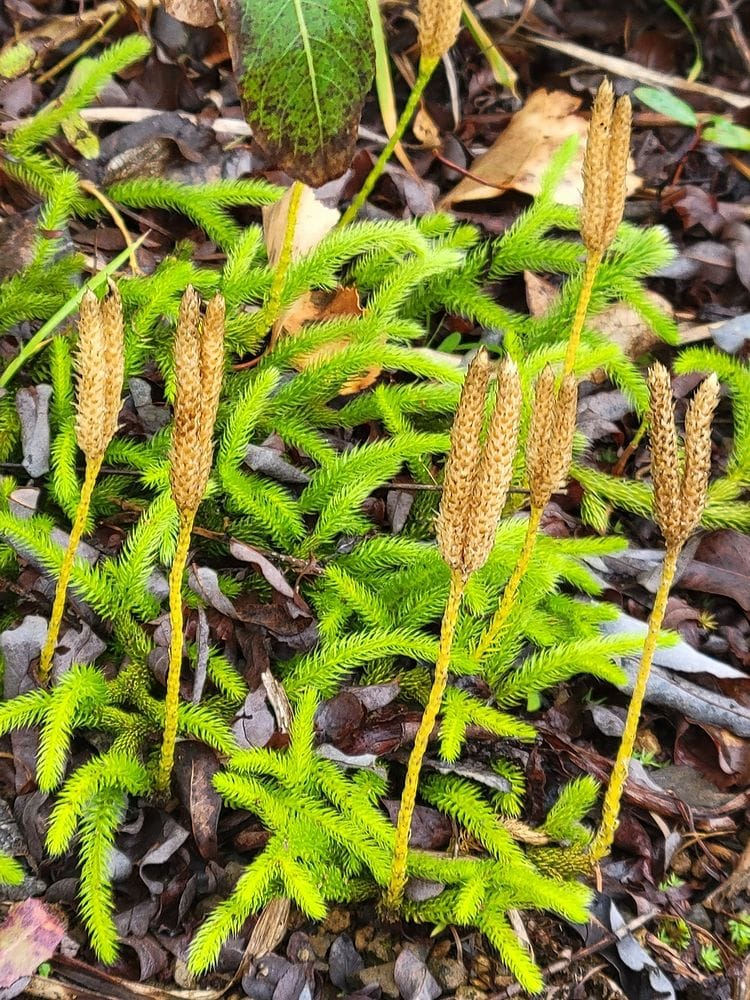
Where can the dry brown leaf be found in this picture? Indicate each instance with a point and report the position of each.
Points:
(314, 221)
(520, 155)
(316, 306)
(622, 325)
(425, 129)
(540, 293)
(198, 13)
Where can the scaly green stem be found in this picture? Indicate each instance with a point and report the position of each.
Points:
(58, 606)
(511, 588)
(426, 69)
(605, 836)
(397, 885)
(175, 651)
(593, 260)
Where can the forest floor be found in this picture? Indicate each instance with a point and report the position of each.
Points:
(681, 868)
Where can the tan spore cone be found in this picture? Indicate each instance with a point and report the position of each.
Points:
(680, 488)
(478, 475)
(494, 471)
(99, 368)
(439, 21)
(199, 367)
(549, 446)
(463, 460)
(605, 168)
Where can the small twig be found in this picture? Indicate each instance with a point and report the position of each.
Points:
(467, 173)
(118, 220)
(81, 49)
(630, 449)
(634, 71)
(735, 30)
(578, 956)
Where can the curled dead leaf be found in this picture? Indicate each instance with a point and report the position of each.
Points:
(520, 155)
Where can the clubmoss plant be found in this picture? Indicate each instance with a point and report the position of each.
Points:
(605, 168)
(477, 479)
(99, 364)
(549, 449)
(378, 597)
(11, 872)
(680, 490)
(199, 370)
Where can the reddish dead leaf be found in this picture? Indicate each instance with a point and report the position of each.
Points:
(195, 766)
(709, 259)
(720, 756)
(738, 236)
(29, 936)
(274, 576)
(430, 831)
(721, 566)
(698, 207)
(339, 717)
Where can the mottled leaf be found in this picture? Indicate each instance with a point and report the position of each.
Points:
(304, 68)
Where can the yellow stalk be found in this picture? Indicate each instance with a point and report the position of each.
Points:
(93, 465)
(175, 650)
(397, 885)
(593, 260)
(604, 838)
(426, 69)
(511, 588)
(285, 257)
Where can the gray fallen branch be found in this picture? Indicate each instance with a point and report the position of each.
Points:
(666, 689)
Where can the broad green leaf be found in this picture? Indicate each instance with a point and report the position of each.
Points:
(667, 104)
(304, 67)
(726, 133)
